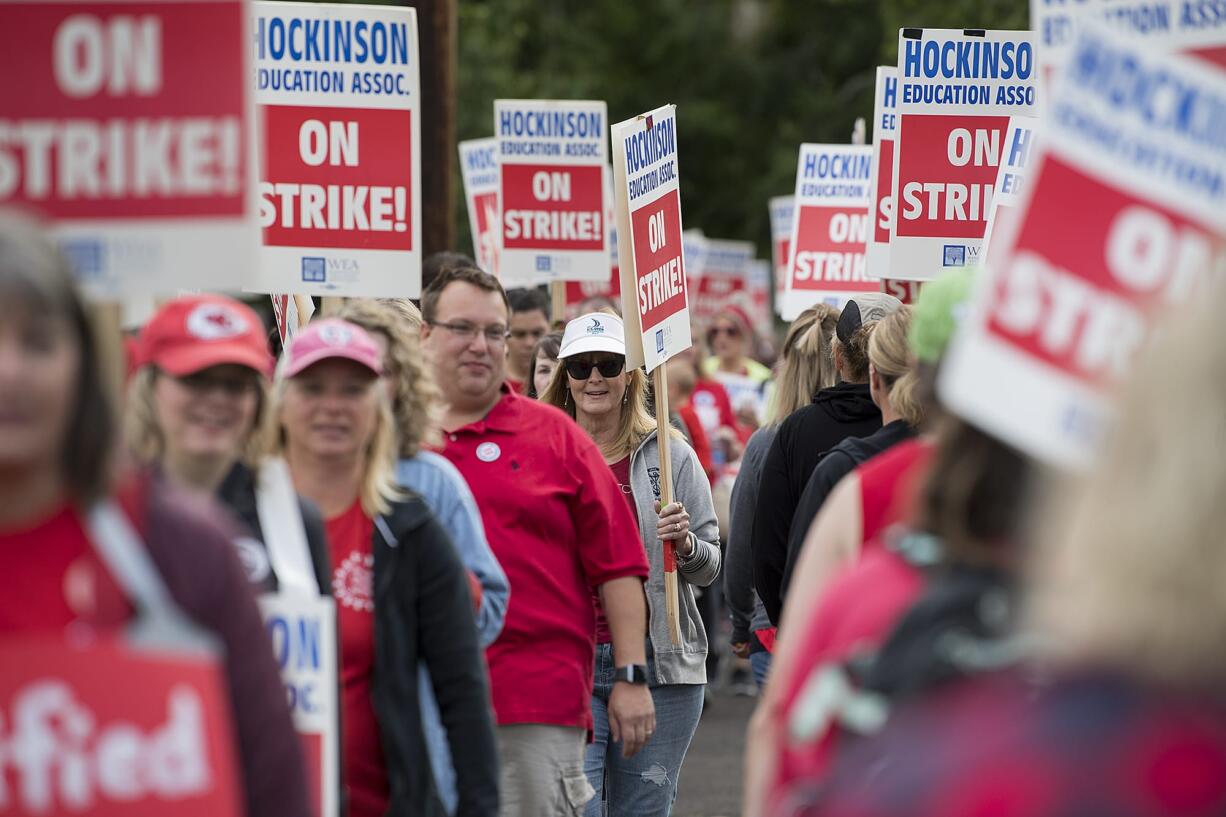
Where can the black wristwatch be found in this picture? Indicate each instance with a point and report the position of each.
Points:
(632, 674)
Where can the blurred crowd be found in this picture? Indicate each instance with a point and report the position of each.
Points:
(936, 624)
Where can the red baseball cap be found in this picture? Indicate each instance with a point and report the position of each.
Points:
(331, 338)
(198, 331)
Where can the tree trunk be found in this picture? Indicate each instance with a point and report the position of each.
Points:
(436, 25)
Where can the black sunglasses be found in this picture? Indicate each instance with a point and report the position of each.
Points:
(582, 369)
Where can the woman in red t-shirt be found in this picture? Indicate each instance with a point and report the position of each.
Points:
(401, 591)
(62, 522)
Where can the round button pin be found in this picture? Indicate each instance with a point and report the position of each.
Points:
(488, 452)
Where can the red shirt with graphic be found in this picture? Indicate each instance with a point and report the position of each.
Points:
(621, 472)
(364, 773)
(62, 580)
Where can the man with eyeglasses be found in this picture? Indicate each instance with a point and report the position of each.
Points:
(556, 520)
(529, 323)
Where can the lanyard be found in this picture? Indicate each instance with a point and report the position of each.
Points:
(284, 532)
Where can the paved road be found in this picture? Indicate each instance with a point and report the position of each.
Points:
(711, 779)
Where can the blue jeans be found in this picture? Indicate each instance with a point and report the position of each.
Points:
(760, 663)
(646, 784)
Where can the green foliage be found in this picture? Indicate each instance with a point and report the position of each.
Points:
(751, 79)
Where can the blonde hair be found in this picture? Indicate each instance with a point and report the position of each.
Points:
(890, 355)
(635, 424)
(808, 362)
(378, 488)
(143, 435)
(407, 311)
(415, 399)
(1133, 576)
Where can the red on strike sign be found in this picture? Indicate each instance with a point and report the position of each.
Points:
(337, 177)
(551, 160)
(885, 179)
(956, 91)
(1091, 325)
(881, 205)
(340, 128)
(658, 260)
(105, 731)
(655, 296)
(905, 291)
(479, 170)
(1109, 234)
(830, 250)
(553, 208)
(782, 211)
(579, 291)
(831, 226)
(116, 118)
(101, 121)
(947, 175)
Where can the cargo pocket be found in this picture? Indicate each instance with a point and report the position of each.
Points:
(576, 791)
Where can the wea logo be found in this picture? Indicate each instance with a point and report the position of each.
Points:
(314, 270)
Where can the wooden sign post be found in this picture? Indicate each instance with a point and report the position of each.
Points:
(672, 591)
(557, 295)
(655, 299)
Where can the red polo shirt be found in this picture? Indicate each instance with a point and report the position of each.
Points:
(559, 526)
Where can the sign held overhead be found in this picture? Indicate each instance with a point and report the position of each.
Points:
(647, 191)
(1123, 215)
(551, 160)
(340, 180)
(956, 92)
(127, 126)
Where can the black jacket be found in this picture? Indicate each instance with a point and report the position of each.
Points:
(424, 612)
(841, 461)
(842, 411)
(237, 492)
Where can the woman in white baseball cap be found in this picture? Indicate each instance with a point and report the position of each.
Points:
(593, 386)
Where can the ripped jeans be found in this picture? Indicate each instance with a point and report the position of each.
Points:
(646, 784)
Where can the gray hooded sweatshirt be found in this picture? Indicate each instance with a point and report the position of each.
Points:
(685, 663)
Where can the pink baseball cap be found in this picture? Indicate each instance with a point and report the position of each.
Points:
(331, 338)
(192, 333)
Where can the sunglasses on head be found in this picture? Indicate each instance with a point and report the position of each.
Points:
(582, 369)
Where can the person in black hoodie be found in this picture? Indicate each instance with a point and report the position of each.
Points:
(893, 383)
(841, 411)
(402, 594)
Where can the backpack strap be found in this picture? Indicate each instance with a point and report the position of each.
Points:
(125, 555)
(160, 623)
(284, 532)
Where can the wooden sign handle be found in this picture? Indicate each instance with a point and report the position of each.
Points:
(329, 305)
(672, 591)
(557, 293)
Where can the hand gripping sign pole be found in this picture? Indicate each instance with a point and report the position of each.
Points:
(655, 300)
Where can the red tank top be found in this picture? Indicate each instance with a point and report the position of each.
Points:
(888, 485)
